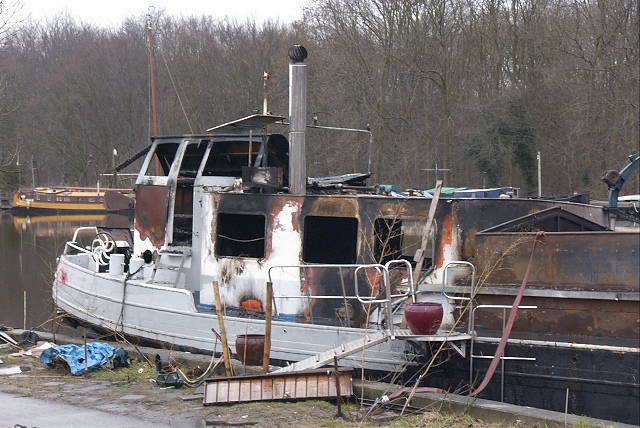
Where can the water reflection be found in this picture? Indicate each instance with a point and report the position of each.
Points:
(28, 249)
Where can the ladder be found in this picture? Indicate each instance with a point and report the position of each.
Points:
(341, 351)
(184, 254)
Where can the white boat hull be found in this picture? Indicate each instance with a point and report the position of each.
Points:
(169, 316)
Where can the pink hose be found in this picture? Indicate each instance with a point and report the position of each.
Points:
(507, 329)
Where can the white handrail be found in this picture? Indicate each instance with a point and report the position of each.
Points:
(473, 280)
(364, 300)
(73, 243)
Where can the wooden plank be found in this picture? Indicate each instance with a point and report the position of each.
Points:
(301, 387)
(312, 387)
(222, 392)
(290, 387)
(267, 389)
(255, 393)
(318, 383)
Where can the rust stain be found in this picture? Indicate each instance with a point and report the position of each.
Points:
(278, 206)
(446, 238)
(564, 316)
(575, 261)
(215, 203)
(469, 249)
(335, 207)
(151, 213)
(308, 288)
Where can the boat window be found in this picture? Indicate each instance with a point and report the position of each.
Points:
(228, 157)
(398, 239)
(164, 156)
(330, 240)
(240, 235)
(191, 160)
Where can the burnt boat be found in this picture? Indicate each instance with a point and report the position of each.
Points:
(540, 298)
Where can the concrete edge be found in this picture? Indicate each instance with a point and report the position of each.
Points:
(478, 408)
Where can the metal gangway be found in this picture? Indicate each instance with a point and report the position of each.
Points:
(389, 304)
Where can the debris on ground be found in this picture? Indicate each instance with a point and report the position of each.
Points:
(82, 359)
(10, 370)
(34, 351)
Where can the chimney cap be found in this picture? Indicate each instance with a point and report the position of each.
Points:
(297, 53)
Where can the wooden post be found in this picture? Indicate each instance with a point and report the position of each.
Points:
(54, 325)
(24, 319)
(419, 257)
(267, 328)
(336, 372)
(223, 333)
(86, 369)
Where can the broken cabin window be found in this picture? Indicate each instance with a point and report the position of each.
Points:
(191, 161)
(330, 240)
(399, 240)
(227, 158)
(240, 235)
(183, 208)
(163, 159)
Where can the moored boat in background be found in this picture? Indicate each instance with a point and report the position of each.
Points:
(547, 290)
(72, 199)
(5, 202)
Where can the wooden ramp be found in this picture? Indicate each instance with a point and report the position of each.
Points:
(319, 383)
(341, 351)
(372, 339)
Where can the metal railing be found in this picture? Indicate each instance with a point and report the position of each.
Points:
(381, 270)
(471, 292)
(73, 243)
(502, 357)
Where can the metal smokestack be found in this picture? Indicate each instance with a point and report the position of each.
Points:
(297, 119)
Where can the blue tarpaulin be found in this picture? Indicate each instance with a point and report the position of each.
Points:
(97, 354)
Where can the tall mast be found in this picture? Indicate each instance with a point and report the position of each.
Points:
(154, 112)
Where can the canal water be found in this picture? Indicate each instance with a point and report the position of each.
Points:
(29, 246)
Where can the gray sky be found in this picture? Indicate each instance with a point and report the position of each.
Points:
(113, 12)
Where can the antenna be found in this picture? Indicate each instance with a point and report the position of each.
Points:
(436, 169)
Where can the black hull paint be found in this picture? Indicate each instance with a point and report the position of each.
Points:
(600, 384)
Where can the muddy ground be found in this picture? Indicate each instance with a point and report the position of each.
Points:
(133, 391)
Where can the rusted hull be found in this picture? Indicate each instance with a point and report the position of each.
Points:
(598, 322)
(584, 285)
(582, 261)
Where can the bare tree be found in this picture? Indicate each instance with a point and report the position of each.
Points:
(474, 87)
